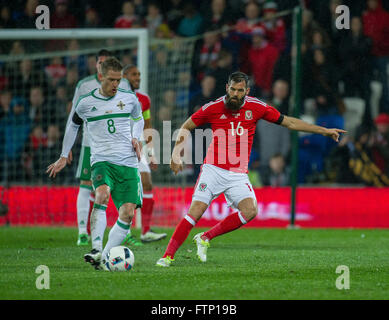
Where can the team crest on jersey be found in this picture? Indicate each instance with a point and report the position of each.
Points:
(202, 186)
(248, 115)
(120, 105)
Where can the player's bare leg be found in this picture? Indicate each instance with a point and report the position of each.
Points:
(148, 235)
(196, 210)
(98, 223)
(247, 211)
(83, 210)
(119, 230)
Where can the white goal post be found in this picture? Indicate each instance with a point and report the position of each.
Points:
(141, 35)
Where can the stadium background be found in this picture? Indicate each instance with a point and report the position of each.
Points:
(193, 47)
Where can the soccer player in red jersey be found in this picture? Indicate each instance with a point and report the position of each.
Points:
(233, 119)
(132, 74)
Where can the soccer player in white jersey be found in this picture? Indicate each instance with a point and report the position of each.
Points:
(85, 192)
(132, 74)
(114, 124)
(233, 118)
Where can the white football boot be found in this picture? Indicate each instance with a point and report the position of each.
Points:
(202, 247)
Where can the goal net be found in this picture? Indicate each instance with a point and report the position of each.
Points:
(38, 77)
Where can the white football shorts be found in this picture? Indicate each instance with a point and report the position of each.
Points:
(143, 165)
(213, 181)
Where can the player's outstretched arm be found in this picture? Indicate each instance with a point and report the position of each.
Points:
(300, 125)
(67, 144)
(176, 163)
(137, 147)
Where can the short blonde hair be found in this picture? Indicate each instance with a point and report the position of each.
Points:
(111, 63)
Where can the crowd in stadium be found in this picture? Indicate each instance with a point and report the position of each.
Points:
(338, 66)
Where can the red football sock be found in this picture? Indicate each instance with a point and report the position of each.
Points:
(147, 211)
(230, 223)
(180, 234)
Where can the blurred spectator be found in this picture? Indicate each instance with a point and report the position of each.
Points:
(276, 173)
(128, 16)
(174, 13)
(26, 76)
(355, 67)
(163, 32)
(57, 106)
(5, 107)
(314, 148)
(17, 48)
(126, 58)
(55, 71)
(76, 60)
(91, 18)
(192, 22)
(6, 20)
(207, 54)
(61, 18)
(167, 107)
(4, 81)
(254, 169)
(91, 64)
(37, 138)
(280, 96)
(15, 129)
(319, 40)
(39, 112)
(283, 68)
(160, 64)
(182, 95)
(140, 8)
(308, 26)
(262, 58)
(326, 17)
(338, 166)
(251, 19)
(272, 138)
(71, 79)
(47, 154)
(325, 105)
(217, 14)
(27, 19)
(11, 68)
(380, 143)
(275, 28)
(206, 94)
(376, 26)
(153, 19)
(5, 102)
(324, 81)
(357, 155)
(223, 69)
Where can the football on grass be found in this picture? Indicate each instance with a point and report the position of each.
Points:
(120, 258)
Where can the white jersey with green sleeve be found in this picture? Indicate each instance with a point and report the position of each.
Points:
(109, 124)
(84, 86)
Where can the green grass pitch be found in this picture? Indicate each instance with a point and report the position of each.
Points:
(248, 264)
